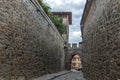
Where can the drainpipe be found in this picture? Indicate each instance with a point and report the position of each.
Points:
(82, 26)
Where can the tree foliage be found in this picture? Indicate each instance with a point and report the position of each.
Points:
(58, 23)
(44, 6)
(55, 19)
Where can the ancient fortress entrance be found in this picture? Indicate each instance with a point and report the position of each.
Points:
(73, 57)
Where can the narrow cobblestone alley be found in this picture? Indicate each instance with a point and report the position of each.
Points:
(59, 39)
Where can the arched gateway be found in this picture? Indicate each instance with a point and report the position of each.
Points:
(73, 57)
(75, 61)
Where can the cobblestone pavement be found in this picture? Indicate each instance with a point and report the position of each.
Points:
(51, 76)
(71, 76)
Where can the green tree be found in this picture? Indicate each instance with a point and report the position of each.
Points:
(44, 6)
(55, 19)
(58, 23)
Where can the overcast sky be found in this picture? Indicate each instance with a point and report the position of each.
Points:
(76, 7)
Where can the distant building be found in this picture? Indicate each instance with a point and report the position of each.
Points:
(67, 20)
(76, 62)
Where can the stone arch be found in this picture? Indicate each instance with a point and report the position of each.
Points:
(70, 59)
(76, 60)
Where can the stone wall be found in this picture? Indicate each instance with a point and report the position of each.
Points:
(30, 45)
(101, 41)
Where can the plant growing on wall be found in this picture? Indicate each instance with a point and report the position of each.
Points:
(55, 19)
(58, 23)
(44, 6)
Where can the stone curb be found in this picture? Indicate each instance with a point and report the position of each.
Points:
(52, 76)
(59, 75)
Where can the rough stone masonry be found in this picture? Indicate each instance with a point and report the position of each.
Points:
(30, 45)
(101, 40)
